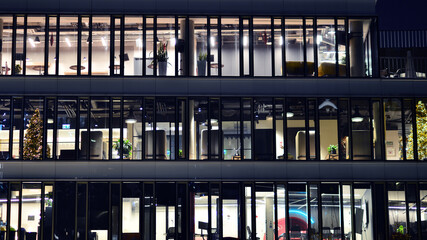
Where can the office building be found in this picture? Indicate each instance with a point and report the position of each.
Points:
(206, 120)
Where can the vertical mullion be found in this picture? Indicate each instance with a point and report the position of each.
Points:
(144, 47)
(273, 65)
(287, 210)
(353, 215)
(276, 225)
(406, 207)
(402, 122)
(24, 49)
(12, 116)
(350, 126)
(285, 130)
(112, 34)
(209, 129)
(89, 71)
(371, 128)
(241, 129)
(317, 129)
(319, 209)
(241, 69)
(187, 48)
(304, 36)
(76, 189)
(42, 211)
(219, 49)
(143, 131)
(176, 145)
(46, 47)
(14, 44)
(210, 210)
(122, 47)
(253, 210)
(337, 73)
(55, 134)
(338, 119)
(79, 45)
(19, 232)
(121, 126)
(89, 114)
(274, 132)
(21, 132)
(220, 225)
(44, 128)
(414, 129)
(208, 41)
(77, 130)
(155, 46)
(252, 126)
(347, 48)
(316, 69)
(8, 203)
(342, 236)
(282, 30)
(176, 52)
(154, 129)
(251, 47)
(110, 129)
(220, 134)
(307, 129)
(417, 196)
(309, 210)
(58, 26)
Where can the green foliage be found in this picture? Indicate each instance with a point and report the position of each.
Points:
(127, 147)
(33, 140)
(18, 69)
(421, 124)
(332, 149)
(162, 52)
(203, 56)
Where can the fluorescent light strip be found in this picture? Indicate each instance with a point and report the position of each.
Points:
(68, 42)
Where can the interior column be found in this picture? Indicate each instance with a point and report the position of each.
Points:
(357, 64)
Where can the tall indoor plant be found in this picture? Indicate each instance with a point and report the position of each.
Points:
(162, 57)
(201, 64)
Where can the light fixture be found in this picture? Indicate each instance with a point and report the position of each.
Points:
(68, 42)
(138, 42)
(357, 117)
(132, 118)
(281, 40)
(269, 116)
(245, 41)
(37, 40)
(125, 57)
(269, 41)
(289, 114)
(327, 103)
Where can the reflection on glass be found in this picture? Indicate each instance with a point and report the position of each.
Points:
(309, 46)
(165, 128)
(230, 210)
(133, 45)
(347, 214)
(423, 207)
(67, 45)
(281, 212)
(98, 210)
(246, 48)
(294, 44)
(265, 216)
(85, 42)
(35, 45)
(165, 211)
(47, 211)
(363, 212)
(331, 211)
(231, 129)
(314, 211)
(4, 127)
(263, 117)
(6, 26)
(247, 130)
(198, 129)
(99, 129)
(262, 43)
(397, 208)
(215, 192)
(342, 49)
(101, 45)
(298, 218)
(53, 40)
(377, 141)
(326, 53)
(230, 47)
(199, 192)
(361, 130)
(166, 43)
(296, 133)
(117, 41)
(278, 47)
(393, 128)
(149, 128)
(201, 45)
(279, 118)
(132, 128)
(328, 128)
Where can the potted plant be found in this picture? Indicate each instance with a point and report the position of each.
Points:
(127, 148)
(201, 64)
(18, 69)
(162, 58)
(332, 149)
(12, 232)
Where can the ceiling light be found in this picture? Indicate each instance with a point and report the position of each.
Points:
(212, 41)
(37, 40)
(357, 117)
(104, 43)
(245, 41)
(289, 114)
(32, 42)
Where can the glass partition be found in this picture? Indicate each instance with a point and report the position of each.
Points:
(278, 47)
(199, 129)
(331, 211)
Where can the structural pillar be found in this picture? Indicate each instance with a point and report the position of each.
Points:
(357, 63)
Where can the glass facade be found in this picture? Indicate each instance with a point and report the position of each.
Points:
(132, 45)
(202, 210)
(202, 128)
